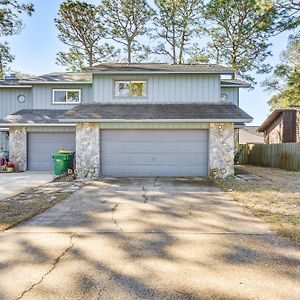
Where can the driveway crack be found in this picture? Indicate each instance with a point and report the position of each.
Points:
(113, 218)
(54, 265)
(145, 195)
(154, 182)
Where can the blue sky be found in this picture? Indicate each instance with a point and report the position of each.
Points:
(36, 47)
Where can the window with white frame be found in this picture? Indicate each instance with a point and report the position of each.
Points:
(66, 96)
(131, 88)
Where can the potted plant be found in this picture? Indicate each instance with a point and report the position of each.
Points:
(10, 167)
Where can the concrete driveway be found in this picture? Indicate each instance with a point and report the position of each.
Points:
(15, 183)
(147, 239)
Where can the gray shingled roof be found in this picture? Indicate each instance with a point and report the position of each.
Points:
(156, 112)
(12, 83)
(235, 83)
(158, 67)
(58, 77)
(33, 116)
(67, 77)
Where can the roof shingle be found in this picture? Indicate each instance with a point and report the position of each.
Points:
(156, 112)
(67, 77)
(34, 116)
(159, 67)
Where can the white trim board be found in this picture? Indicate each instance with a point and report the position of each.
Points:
(35, 124)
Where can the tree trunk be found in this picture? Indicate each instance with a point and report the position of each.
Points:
(129, 52)
(90, 58)
(218, 57)
(182, 43)
(181, 50)
(174, 48)
(173, 35)
(1, 70)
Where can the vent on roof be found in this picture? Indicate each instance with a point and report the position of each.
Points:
(11, 76)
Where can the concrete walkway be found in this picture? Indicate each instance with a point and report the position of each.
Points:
(15, 183)
(147, 239)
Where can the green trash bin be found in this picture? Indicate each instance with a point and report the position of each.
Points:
(62, 162)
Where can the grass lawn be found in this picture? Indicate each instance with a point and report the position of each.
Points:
(24, 206)
(273, 196)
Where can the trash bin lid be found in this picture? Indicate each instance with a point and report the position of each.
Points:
(65, 152)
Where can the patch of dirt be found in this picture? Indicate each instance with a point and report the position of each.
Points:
(65, 178)
(272, 194)
(24, 206)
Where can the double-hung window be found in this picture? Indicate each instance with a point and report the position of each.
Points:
(130, 88)
(66, 96)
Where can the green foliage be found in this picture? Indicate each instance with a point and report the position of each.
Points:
(81, 27)
(10, 24)
(5, 58)
(125, 21)
(176, 23)
(288, 12)
(286, 77)
(22, 76)
(198, 55)
(240, 32)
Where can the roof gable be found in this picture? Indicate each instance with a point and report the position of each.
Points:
(274, 115)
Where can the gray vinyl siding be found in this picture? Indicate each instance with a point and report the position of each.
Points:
(233, 94)
(9, 105)
(42, 95)
(181, 88)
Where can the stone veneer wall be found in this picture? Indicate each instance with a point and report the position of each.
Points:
(88, 150)
(221, 150)
(18, 147)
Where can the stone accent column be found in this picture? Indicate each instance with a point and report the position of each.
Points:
(236, 140)
(18, 147)
(88, 150)
(221, 150)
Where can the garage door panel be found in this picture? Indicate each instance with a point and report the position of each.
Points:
(149, 171)
(186, 158)
(151, 147)
(154, 152)
(155, 135)
(41, 147)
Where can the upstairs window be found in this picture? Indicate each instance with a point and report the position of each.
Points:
(70, 96)
(131, 89)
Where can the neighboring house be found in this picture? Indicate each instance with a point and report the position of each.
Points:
(249, 135)
(127, 120)
(282, 126)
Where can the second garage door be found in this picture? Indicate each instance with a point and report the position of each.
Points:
(154, 152)
(41, 147)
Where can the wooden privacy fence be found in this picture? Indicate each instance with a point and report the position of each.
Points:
(284, 156)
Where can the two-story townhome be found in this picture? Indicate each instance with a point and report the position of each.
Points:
(126, 120)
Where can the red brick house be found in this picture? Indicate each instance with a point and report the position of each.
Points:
(282, 126)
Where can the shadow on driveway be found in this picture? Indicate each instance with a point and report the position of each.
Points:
(147, 238)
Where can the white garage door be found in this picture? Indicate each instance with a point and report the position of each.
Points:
(41, 147)
(154, 152)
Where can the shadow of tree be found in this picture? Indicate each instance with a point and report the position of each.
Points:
(188, 241)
